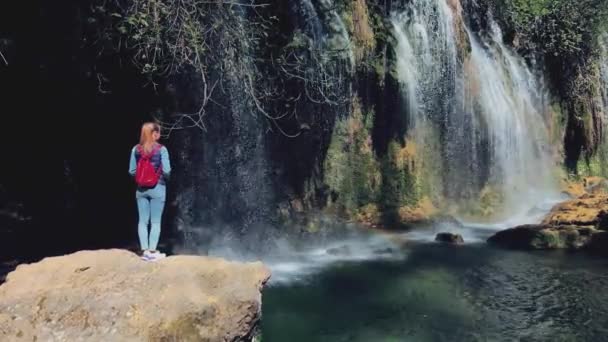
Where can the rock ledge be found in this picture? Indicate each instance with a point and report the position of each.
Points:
(112, 295)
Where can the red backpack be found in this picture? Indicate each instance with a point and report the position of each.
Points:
(146, 176)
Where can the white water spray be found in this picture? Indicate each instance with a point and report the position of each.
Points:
(488, 99)
(603, 46)
(512, 105)
(333, 35)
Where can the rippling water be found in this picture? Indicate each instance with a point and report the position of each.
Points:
(444, 293)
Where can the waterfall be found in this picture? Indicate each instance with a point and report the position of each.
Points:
(602, 100)
(311, 21)
(427, 58)
(511, 101)
(603, 64)
(324, 24)
(226, 193)
(486, 100)
(228, 198)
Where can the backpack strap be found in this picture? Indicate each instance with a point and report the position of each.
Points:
(157, 148)
(143, 154)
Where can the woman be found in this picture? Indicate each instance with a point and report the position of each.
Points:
(151, 187)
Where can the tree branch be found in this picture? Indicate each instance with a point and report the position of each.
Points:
(4, 59)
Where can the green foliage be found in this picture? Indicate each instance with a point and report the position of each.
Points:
(528, 9)
(167, 36)
(596, 165)
(489, 203)
(351, 169)
(558, 123)
(429, 163)
(555, 27)
(565, 33)
(399, 186)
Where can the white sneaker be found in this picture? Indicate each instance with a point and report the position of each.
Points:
(155, 256)
(147, 256)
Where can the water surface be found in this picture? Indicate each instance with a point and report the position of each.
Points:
(439, 292)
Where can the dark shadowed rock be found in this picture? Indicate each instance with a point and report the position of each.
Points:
(113, 295)
(599, 243)
(449, 238)
(602, 220)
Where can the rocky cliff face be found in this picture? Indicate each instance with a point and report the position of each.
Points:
(113, 295)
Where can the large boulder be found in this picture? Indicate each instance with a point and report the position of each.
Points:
(539, 236)
(113, 295)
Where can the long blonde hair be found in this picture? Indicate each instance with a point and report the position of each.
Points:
(146, 139)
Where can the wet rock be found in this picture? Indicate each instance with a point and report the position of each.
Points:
(595, 185)
(583, 211)
(542, 236)
(449, 238)
(113, 295)
(602, 220)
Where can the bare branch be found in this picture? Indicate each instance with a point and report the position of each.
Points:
(4, 59)
(175, 36)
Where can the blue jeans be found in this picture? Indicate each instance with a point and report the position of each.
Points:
(150, 204)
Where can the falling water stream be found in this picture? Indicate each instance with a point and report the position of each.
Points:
(603, 44)
(489, 99)
(512, 105)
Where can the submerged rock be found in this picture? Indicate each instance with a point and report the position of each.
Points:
(449, 238)
(340, 251)
(113, 295)
(539, 236)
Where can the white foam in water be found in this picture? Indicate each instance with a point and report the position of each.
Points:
(289, 264)
(475, 232)
(299, 265)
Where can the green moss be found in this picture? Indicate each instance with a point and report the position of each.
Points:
(554, 27)
(558, 123)
(398, 183)
(596, 165)
(351, 169)
(488, 205)
(428, 167)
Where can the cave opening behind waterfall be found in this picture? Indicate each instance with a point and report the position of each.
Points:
(74, 116)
